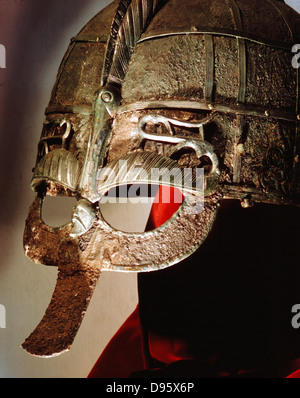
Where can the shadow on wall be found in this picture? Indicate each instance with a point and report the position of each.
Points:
(30, 47)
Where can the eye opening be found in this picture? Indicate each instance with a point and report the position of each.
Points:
(182, 151)
(58, 131)
(156, 128)
(57, 210)
(55, 135)
(42, 150)
(206, 164)
(57, 203)
(187, 157)
(151, 207)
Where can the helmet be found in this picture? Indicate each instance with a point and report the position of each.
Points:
(169, 86)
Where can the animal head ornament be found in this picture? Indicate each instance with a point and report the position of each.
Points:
(169, 86)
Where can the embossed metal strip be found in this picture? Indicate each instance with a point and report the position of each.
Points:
(224, 32)
(89, 38)
(242, 71)
(198, 105)
(241, 51)
(256, 195)
(281, 10)
(236, 15)
(237, 162)
(210, 65)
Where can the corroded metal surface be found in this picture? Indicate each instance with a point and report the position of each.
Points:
(199, 84)
(58, 328)
(80, 261)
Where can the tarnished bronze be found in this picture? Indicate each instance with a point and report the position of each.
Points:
(167, 84)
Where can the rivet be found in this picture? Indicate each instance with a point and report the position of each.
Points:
(106, 96)
(247, 203)
(240, 148)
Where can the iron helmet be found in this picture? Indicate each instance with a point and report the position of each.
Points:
(167, 86)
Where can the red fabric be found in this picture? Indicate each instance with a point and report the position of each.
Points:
(166, 203)
(167, 350)
(123, 355)
(295, 375)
